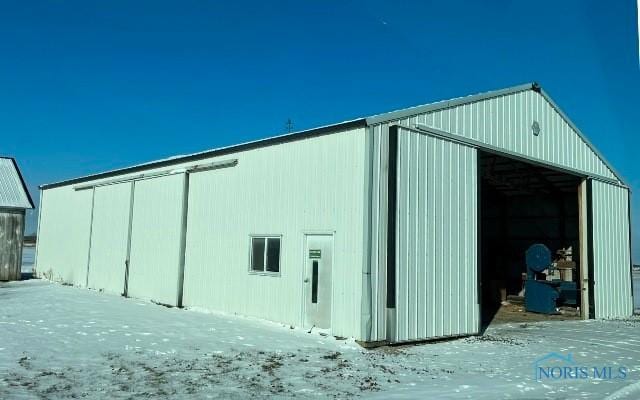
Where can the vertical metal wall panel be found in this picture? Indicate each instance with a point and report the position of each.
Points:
(314, 185)
(611, 252)
(155, 239)
(505, 122)
(63, 241)
(309, 186)
(109, 236)
(379, 190)
(436, 232)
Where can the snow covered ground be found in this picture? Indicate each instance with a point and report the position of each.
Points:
(63, 342)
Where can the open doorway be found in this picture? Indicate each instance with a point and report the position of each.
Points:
(522, 205)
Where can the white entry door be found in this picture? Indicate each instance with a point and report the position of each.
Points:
(317, 280)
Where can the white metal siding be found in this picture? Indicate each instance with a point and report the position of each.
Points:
(379, 207)
(304, 186)
(611, 252)
(63, 240)
(155, 239)
(109, 234)
(504, 122)
(314, 185)
(436, 236)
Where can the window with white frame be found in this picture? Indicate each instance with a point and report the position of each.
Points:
(265, 254)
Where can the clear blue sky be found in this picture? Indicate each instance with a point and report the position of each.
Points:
(89, 86)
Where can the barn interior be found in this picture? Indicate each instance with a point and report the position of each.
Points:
(522, 205)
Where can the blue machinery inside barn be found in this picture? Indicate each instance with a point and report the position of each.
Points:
(549, 284)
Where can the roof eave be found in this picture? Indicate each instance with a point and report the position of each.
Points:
(360, 122)
(289, 137)
(24, 184)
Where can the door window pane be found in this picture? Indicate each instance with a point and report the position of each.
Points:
(314, 283)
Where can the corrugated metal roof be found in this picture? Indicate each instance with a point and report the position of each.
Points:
(13, 191)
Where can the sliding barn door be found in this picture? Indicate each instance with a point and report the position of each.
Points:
(156, 235)
(109, 237)
(611, 262)
(436, 282)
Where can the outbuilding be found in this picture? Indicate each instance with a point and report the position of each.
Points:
(14, 200)
(390, 228)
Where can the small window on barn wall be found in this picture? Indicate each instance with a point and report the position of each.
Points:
(265, 254)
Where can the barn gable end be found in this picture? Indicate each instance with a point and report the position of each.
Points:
(522, 120)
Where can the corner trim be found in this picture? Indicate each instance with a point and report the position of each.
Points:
(590, 265)
(392, 189)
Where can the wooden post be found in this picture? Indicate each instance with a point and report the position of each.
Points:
(584, 253)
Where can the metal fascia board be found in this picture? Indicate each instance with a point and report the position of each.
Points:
(407, 112)
(582, 136)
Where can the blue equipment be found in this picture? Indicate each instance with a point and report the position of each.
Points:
(538, 258)
(542, 295)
